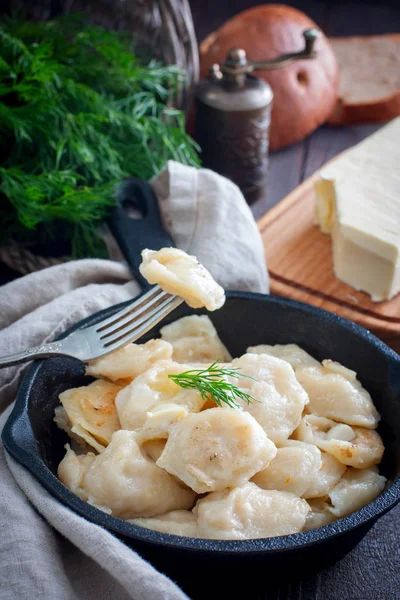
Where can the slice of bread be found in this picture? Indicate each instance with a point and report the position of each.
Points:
(369, 80)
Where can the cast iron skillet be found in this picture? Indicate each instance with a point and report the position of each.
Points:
(32, 438)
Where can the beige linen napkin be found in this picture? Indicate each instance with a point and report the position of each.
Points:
(46, 550)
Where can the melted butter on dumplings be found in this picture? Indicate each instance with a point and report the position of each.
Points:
(154, 402)
(280, 399)
(195, 339)
(91, 412)
(130, 361)
(179, 273)
(215, 449)
(248, 512)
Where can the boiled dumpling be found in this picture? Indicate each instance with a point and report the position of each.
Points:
(335, 367)
(215, 449)
(319, 515)
(195, 339)
(357, 488)
(79, 439)
(72, 470)
(327, 477)
(150, 393)
(293, 469)
(124, 480)
(177, 522)
(331, 469)
(179, 273)
(91, 412)
(248, 512)
(280, 399)
(353, 446)
(153, 448)
(292, 353)
(130, 361)
(337, 396)
(364, 448)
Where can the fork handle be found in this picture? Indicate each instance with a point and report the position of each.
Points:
(44, 351)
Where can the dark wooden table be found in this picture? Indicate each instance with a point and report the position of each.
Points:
(372, 570)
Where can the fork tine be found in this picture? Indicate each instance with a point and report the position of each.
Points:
(148, 297)
(137, 332)
(132, 315)
(119, 332)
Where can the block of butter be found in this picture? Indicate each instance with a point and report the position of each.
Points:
(358, 203)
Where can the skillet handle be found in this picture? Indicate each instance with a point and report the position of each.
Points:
(135, 234)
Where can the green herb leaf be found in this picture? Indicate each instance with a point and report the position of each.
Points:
(78, 113)
(212, 382)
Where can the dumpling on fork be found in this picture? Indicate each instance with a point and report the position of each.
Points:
(179, 273)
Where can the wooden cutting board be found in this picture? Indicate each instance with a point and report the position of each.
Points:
(299, 260)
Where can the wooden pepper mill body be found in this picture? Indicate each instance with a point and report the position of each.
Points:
(232, 126)
(233, 111)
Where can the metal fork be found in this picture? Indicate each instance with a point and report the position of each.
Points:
(123, 327)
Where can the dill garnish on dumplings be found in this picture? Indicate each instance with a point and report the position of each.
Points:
(211, 383)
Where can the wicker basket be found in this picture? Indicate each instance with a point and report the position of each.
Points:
(162, 29)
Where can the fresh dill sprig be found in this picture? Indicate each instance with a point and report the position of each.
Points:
(212, 383)
(78, 113)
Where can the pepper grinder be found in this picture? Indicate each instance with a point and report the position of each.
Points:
(233, 113)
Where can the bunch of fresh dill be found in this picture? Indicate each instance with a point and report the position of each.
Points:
(78, 112)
